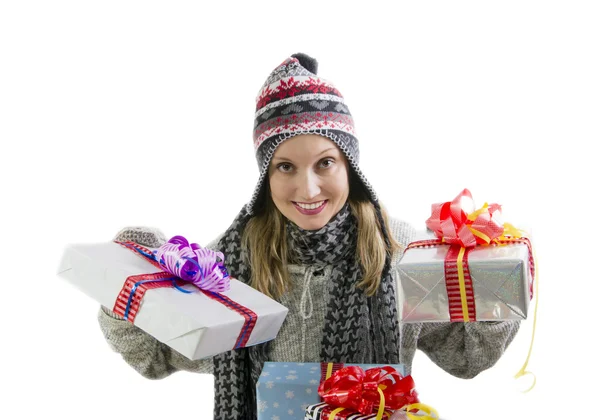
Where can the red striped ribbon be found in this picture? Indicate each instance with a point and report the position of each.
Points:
(455, 307)
(334, 368)
(325, 368)
(249, 316)
(140, 290)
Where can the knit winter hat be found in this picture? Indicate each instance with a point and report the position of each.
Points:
(292, 101)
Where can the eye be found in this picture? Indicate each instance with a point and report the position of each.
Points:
(284, 167)
(327, 162)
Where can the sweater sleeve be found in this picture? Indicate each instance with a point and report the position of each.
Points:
(148, 356)
(461, 349)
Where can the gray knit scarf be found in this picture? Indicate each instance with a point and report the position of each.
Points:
(357, 328)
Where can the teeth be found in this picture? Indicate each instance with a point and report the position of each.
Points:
(310, 206)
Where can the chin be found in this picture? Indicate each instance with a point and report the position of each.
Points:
(310, 225)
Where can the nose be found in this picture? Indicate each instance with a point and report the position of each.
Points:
(308, 186)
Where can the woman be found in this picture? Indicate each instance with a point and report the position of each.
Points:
(315, 238)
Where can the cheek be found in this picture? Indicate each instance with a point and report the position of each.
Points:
(343, 188)
(342, 185)
(279, 190)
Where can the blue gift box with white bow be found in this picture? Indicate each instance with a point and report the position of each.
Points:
(285, 389)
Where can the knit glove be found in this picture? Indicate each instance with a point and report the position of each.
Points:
(141, 235)
(145, 236)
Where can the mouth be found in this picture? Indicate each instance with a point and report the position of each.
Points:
(310, 208)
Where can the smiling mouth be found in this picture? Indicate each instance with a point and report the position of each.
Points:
(310, 206)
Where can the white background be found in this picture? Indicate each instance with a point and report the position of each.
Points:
(120, 113)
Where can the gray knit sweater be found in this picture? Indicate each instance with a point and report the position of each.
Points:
(462, 349)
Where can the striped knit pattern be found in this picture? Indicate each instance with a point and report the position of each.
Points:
(299, 103)
(293, 101)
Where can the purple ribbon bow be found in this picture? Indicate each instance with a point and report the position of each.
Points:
(190, 262)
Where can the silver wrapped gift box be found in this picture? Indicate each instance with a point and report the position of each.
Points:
(501, 279)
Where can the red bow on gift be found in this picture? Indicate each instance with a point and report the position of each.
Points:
(457, 221)
(364, 391)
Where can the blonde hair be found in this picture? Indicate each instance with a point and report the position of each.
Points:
(264, 239)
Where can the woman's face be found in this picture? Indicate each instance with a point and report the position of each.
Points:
(308, 177)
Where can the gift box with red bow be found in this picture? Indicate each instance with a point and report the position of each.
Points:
(473, 267)
(285, 389)
(180, 293)
(379, 393)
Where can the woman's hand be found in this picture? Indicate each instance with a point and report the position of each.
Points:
(142, 235)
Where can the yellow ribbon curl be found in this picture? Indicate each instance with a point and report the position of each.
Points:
(509, 233)
(431, 413)
(522, 371)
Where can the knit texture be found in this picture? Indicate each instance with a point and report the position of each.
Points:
(299, 339)
(338, 324)
(463, 350)
(292, 101)
(352, 318)
(357, 328)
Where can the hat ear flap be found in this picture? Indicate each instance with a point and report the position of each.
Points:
(263, 196)
(358, 191)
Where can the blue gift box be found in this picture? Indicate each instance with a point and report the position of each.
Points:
(284, 389)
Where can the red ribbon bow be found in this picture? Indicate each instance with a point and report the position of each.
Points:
(352, 387)
(456, 222)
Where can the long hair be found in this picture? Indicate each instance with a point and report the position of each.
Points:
(264, 239)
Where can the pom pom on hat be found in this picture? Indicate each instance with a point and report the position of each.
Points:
(306, 61)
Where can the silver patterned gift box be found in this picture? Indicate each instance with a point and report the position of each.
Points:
(501, 284)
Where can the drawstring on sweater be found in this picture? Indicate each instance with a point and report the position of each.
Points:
(306, 296)
(306, 314)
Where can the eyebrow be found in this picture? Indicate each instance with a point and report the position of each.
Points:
(322, 153)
